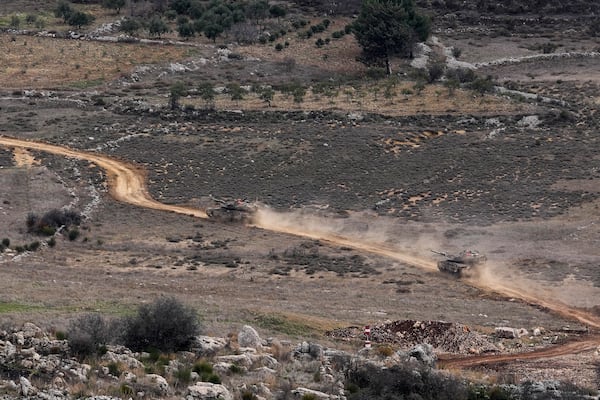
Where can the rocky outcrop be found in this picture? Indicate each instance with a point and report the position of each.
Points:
(208, 391)
(253, 368)
(248, 337)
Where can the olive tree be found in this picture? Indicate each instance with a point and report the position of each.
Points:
(385, 28)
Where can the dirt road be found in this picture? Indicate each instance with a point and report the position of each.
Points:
(127, 183)
(555, 351)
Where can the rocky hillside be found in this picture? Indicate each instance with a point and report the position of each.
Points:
(35, 364)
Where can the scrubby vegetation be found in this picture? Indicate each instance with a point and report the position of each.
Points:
(419, 382)
(48, 223)
(165, 324)
(89, 334)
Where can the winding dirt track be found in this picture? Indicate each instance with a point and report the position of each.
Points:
(127, 183)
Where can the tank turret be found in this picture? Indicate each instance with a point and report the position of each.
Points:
(457, 265)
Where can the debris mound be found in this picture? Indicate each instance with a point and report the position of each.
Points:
(446, 337)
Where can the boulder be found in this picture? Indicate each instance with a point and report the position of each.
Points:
(30, 330)
(157, 382)
(264, 374)
(242, 360)
(301, 393)
(207, 345)
(248, 337)
(26, 388)
(207, 391)
(268, 361)
(423, 353)
(9, 350)
(505, 332)
(125, 359)
(304, 347)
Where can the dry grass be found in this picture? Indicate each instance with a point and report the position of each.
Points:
(37, 62)
(339, 56)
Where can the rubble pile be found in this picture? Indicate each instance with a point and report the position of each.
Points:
(443, 336)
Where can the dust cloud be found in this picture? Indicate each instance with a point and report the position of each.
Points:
(492, 277)
(357, 231)
(362, 232)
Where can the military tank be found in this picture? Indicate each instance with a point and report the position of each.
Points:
(457, 265)
(240, 211)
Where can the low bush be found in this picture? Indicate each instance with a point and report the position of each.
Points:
(462, 75)
(435, 71)
(51, 220)
(166, 324)
(88, 335)
(406, 381)
(73, 234)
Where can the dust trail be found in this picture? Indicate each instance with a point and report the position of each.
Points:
(333, 231)
(336, 232)
(488, 279)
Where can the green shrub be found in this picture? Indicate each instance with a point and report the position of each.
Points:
(47, 230)
(33, 246)
(6, 242)
(183, 375)
(202, 368)
(73, 234)
(279, 47)
(114, 369)
(482, 85)
(60, 335)
(51, 220)
(51, 242)
(20, 249)
(405, 381)
(165, 324)
(214, 378)
(434, 72)
(126, 390)
(87, 334)
(248, 395)
(235, 369)
(462, 75)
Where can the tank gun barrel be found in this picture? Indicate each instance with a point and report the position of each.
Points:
(441, 253)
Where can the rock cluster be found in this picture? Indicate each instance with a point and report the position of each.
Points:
(246, 364)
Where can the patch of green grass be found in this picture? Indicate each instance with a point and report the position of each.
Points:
(278, 323)
(9, 307)
(87, 83)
